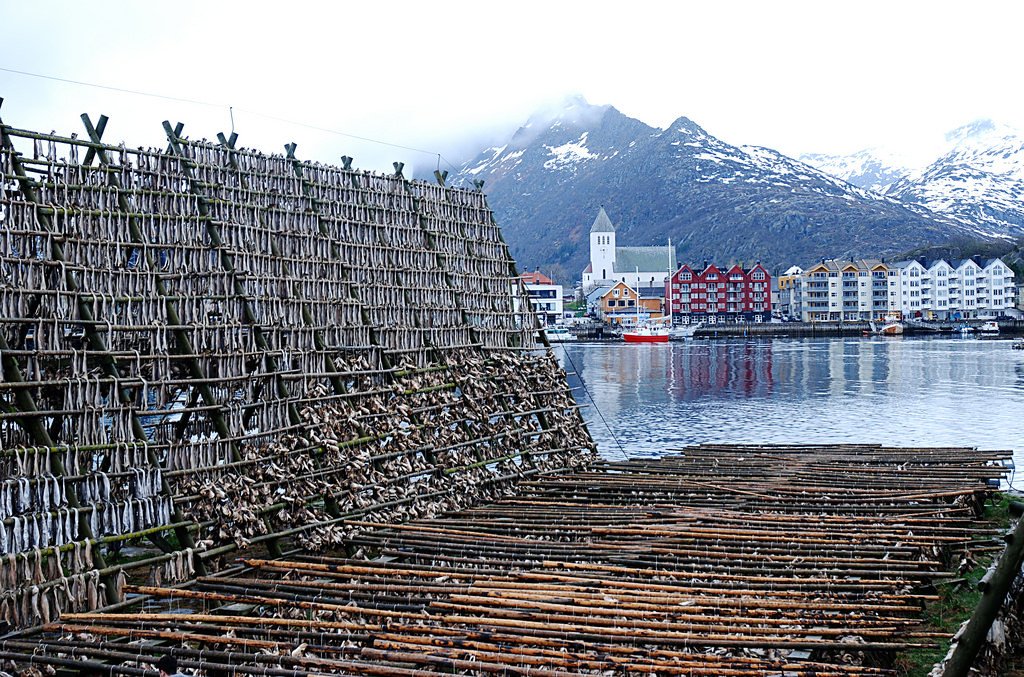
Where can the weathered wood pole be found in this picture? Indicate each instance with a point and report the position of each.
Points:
(994, 587)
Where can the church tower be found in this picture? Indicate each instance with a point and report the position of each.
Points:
(602, 248)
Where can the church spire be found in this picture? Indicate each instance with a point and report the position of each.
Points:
(602, 224)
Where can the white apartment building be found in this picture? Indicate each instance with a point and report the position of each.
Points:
(910, 277)
(545, 296)
(935, 288)
(995, 287)
(979, 289)
(844, 291)
(964, 288)
(869, 289)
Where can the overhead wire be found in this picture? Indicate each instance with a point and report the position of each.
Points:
(583, 383)
(123, 90)
(347, 135)
(231, 110)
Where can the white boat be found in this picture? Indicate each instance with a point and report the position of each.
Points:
(557, 334)
(990, 327)
(891, 327)
(1018, 344)
(684, 331)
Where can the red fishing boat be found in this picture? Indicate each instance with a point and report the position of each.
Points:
(647, 332)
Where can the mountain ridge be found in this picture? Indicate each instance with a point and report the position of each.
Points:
(714, 200)
(976, 176)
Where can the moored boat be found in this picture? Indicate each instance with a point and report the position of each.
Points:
(647, 332)
(647, 329)
(891, 327)
(684, 331)
(990, 327)
(557, 334)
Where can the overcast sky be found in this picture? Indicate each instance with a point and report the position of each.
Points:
(445, 77)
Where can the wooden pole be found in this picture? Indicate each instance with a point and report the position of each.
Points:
(994, 588)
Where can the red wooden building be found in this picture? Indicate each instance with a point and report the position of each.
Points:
(715, 295)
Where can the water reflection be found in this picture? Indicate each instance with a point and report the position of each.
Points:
(928, 392)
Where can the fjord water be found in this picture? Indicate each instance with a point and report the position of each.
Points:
(647, 399)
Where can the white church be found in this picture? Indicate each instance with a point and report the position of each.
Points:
(646, 269)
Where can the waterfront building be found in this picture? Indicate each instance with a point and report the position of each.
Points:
(995, 287)
(935, 290)
(964, 288)
(619, 306)
(545, 296)
(645, 269)
(790, 293)
(714, 295)
(593, 298)
(910, 275)
(836, 290)
(870, 289)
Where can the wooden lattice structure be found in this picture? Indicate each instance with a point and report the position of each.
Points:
(743, 561)
(283, 418)
(207, 348)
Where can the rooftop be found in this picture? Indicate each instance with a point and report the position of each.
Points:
(536, 277)
(602, 224)
(661, 258)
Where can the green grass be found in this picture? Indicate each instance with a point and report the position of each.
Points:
(957, 603)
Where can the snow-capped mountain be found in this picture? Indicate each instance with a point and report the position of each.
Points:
(712, 199)
(563, 141)
(872, 168)
(979, 180)
(975, 176)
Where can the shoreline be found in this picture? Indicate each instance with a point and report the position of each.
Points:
(1007, 328)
